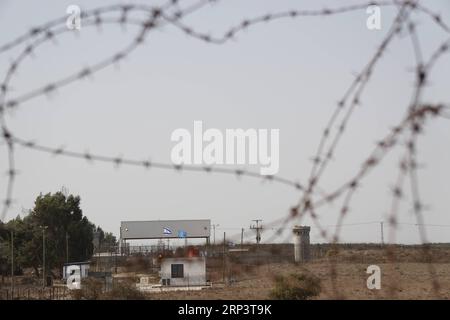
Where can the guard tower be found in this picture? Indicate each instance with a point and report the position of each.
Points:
(301, 244)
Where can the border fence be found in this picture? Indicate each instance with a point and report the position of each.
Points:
(33, 293)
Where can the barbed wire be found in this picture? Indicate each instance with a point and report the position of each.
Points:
(147, 25)
(120, 160)
(414, 117)
(311, 199)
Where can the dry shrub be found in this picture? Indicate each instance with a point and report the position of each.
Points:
(124, 291)
(301, 286)
(332, 253)
(91, 289)
(76, 294)
(28, 281)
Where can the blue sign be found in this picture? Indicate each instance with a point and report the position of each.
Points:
(182, 234)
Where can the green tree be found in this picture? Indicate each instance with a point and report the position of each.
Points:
(110, 240)
(4, 248)
(15, 226)
(107, 240)
(58, 218)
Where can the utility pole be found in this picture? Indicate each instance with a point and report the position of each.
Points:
(382, 232)
(242, 237)
(43, 255)
(120, 241)
(258, 230)
(214, 233)
(67, 247)
(115, 260)
(223, 257)
(12, 263)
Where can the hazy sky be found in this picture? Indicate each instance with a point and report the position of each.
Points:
(285, 75)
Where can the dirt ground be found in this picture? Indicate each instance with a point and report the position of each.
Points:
(400, 281)
(410, 277)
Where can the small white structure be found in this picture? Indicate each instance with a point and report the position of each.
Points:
(183, 271)
(73, 267)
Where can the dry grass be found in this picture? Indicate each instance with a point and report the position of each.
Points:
(402, 281)
(408, 278)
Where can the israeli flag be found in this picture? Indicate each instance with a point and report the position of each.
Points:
(167, 231)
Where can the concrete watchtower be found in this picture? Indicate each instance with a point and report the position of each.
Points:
(301, 244)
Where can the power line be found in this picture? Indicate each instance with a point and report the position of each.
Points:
(258, 229)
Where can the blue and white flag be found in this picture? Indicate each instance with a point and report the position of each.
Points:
(167, 231)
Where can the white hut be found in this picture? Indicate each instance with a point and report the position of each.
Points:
(183, 271)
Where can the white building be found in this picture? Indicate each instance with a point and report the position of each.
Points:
(183, 271)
